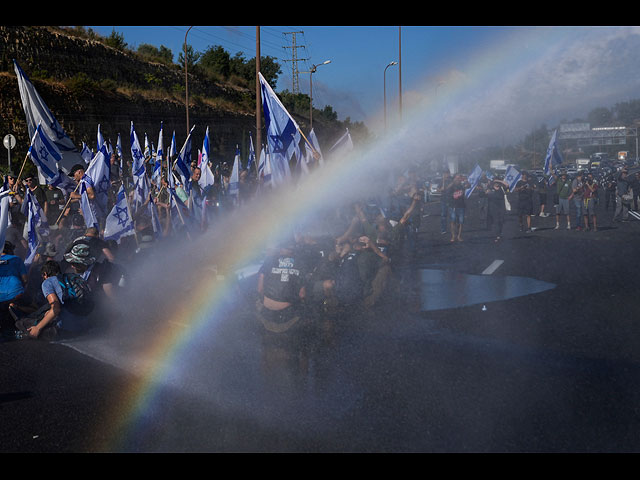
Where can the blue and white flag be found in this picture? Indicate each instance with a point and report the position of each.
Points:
(140, 184)
(343, 146)
(119, 222)
(120, 156)
(316, 146)
(5, 201)
(156, 176)
(44, 153)
(63, 182)
(264, 169)
(35, 227)
(252, 154)
(88, 207)
(206, 175)
(473, 179)
(37, 113)
(183, 163)
(512, 177)
(283, 133)
(86, 153)
(234, 179)
(99, 171)
(553, 157)
(100, 139)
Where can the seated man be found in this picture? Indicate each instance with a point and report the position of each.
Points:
(55, 316)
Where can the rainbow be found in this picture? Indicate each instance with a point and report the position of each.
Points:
(490, 69)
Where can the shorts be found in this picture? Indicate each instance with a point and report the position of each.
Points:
(456, 215)
(525, 208)
(563, 206)
(589, 206)
(543, 198)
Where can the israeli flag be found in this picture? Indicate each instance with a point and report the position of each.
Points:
(206, 175)
(44, 153)
(473, 179)
(283, 133)
(252, 154)
(86, 153)
(343, 146)
(5, 200)
(553, 157)
(512, 177)
(120, 156)
(63, 183)
(100, 141)
(316, 146)
(183, 163)
(156, 176)
(119, 222)
(35, 227)
(140, 185)
(99, 171)
(37, 113)
(86, 206)
(234, 179)
(264, 169)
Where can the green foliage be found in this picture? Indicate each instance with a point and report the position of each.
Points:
(216, 60)
(152, 53)
(116, 40)
(152, 80)
(81, 85)
(192, 57)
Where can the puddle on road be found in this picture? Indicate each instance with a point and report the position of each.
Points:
(442, 289)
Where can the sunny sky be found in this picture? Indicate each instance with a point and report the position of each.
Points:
(514, 78)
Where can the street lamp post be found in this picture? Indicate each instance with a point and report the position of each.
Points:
(385, 92)
(311, 72)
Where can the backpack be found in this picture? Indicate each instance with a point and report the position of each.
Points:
(76, 294)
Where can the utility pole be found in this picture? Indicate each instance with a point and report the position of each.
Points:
(294, 60)
(258, 146)
(400, 70)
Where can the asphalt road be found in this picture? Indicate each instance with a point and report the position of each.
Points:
(528, 345)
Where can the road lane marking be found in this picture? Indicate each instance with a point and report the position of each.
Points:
(493, 267)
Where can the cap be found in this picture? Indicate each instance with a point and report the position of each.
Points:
(81, 254)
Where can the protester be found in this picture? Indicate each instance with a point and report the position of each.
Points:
(590, 199)
(577, 194)
(525, 191)
(455, 193)
(496, 206)
(623, 197)
(563, 189)
(13, 279)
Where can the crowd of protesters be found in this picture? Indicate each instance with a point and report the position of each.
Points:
(348, 258)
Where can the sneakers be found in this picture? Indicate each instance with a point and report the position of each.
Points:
(569, 227)
(557, 226)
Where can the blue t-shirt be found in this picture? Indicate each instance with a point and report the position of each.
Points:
(11, 271)
(66, 320)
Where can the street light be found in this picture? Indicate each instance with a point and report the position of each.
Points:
(385, 92)
(311, 72)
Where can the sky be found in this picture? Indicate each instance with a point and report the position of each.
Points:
(507, 77)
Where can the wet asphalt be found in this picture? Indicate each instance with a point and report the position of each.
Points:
(526, 345)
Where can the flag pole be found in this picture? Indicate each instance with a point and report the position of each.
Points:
(67, 204)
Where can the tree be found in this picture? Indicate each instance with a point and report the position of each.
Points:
(216, 60)
(600, 117)
(192, 57)
(116, 40)
(155, 54)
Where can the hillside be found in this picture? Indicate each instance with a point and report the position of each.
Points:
(86, 83)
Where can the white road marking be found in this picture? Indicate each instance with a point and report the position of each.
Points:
(493, 267)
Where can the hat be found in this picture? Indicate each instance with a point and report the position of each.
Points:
(75, 168)
(80, 253)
